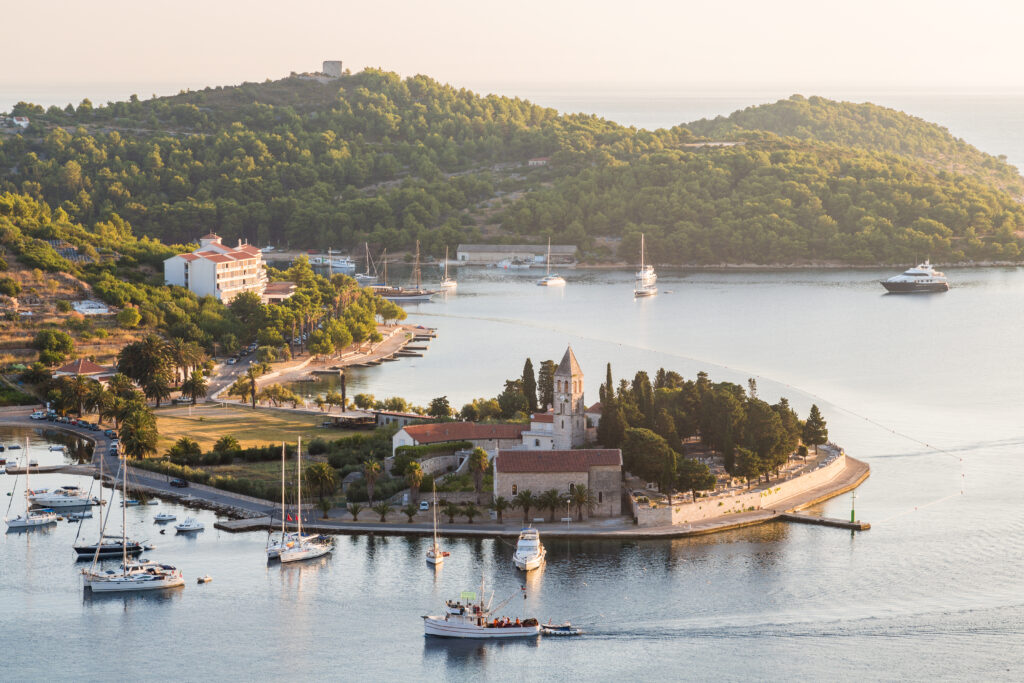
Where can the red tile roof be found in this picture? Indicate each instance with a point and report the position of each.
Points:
(542, 417)
(248, 249)
(216, 258)
(463, 431)
(558, 461)
(189, 257)
(83, 367)
(596, 408)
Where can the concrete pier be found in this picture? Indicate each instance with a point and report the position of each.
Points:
(803, 518)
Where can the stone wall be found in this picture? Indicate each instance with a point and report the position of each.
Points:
(716, 506)
(604, 482)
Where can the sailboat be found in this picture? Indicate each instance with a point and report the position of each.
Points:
(401, 295)
(287, 539)
(645, 277)
(367, 277)
(304, 548)
(435, 555)
(107, 546)
(550, 279)
(448, 284)
(143, 575)
(30, 519)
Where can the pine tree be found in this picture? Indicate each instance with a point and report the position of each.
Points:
(815, 429)
(530, 385)
(612, 427)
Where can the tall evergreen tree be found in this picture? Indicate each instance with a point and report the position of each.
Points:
(546, 384)
(530, 385)
(815, 429)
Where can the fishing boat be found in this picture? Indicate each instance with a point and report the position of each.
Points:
(402, 295)
(435, 555)
(645, 277)
(31, 518)
(304, 548)
(448, 284)
(476, 620)
(132, 576)
(191, 525)
(550, 279)
(530, 552)
(62, 497)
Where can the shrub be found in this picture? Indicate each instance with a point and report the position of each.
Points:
(9, 287)
(63, 305)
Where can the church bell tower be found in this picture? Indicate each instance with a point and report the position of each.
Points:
(570, 419)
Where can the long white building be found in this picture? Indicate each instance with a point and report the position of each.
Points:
(217, 270)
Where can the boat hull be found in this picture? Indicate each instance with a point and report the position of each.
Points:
(31, 522)
(915, 287)
(108, 550)
(647, 291)
(305, 553)
(438, 627)
(132, 584)
(528, 563)
(63, 502)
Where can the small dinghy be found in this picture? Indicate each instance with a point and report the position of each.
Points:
(204, 579)
(57, 447)
(565, 629)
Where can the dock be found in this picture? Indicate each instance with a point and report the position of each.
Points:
(801, 518)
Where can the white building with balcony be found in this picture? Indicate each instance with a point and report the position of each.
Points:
(217, 270)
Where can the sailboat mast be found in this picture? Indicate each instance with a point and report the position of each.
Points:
(641, 252)
(330, 265)
(416, 266)
(298, 456)
(446, 263)
(124, 516)
(384, 258)
(28, 468)
(282, 491)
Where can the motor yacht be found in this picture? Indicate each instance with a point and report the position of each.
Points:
(920, 279)
(530, 551)
(190, 525)
(62, 497)
(164, 517)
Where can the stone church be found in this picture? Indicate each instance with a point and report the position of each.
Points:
(550, 454)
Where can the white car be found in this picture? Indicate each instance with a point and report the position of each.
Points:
(232, 361)
(38, 415)
(424, 505)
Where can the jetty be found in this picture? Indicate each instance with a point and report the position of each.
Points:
(802, 518)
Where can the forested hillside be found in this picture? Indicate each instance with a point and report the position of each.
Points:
(375, 157)
(868, 126)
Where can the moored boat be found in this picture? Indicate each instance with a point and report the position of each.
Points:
(190, 525)
(550, 279)
(31, 518)
(62, 497)
(530, 552)
(302, 548)
(645, 277)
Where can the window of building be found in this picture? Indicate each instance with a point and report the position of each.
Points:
(536, 442)
(600, 496)
(515, 489)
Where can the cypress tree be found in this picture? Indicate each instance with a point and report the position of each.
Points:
(530, 385)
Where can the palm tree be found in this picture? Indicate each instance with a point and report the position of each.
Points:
(581, 497)
(471, 511)
(95, 397)
(410, 511)
(250, 375)
(478, 464)
(138, 433)
(371, 471)
(525, 500)
(450, 510)
(382, 508)
(551, 500)
(499, 505)
(145, 358)
(184, 355)
(414, 477)
(121, 385)
(195, 386)
(157, 387)
(79, 388)
(323, 479)
(355, 509)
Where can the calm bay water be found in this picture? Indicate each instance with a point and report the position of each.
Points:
(932, 591)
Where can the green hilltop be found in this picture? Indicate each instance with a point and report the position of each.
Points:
(374, 157)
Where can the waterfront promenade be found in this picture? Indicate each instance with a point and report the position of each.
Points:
(257, 514)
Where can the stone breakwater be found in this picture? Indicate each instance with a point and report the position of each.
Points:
(781, 496)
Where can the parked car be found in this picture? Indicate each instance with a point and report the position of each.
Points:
(179, 483)
(110, 433)
(232, 360)
(38, 415)
(182, 400)
(424, 505)
(94, 427)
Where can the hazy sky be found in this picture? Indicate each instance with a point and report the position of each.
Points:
(481, 44)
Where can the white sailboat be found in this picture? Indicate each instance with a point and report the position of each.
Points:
(448, 284)
(550, 279)
(366, 277)
(30, 519)
(134, 576)
(435, 555)
(645, 277)
(304, 548)
(287, 539)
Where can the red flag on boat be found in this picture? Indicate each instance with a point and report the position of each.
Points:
(288, 517)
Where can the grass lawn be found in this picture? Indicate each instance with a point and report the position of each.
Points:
(209, 422)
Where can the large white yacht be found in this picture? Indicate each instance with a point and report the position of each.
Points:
(62, 497)
(922, 278)
(530, 551)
